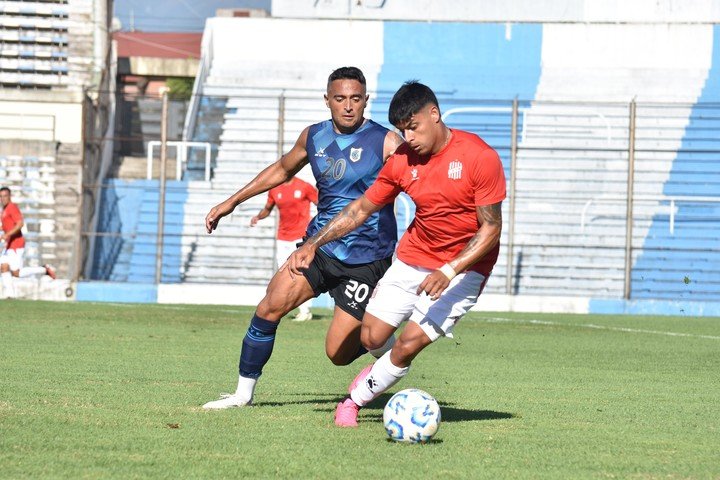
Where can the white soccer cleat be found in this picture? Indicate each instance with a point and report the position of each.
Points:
(303, 317)
(227, 401)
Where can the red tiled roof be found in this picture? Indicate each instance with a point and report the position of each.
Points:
(158, 45)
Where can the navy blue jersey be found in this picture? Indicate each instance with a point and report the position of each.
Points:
(344, 167)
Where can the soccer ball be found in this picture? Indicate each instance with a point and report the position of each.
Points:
(411, 415)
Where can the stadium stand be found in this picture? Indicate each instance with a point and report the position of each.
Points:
(574, 111)
(52, 68)
(50, 212)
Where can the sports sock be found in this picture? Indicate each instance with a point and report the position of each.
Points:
(246, 388)
(8, 286)
(257, 347)
(382, 376)
(305, 307)
(379, 352)
(31, 271)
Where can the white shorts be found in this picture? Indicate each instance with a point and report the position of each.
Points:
(13, 257)
(394, 299)
(284, 249)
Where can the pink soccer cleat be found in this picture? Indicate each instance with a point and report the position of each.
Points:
(360, 377)
(346, 413)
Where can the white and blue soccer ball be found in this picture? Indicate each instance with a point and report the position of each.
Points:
(411, 415)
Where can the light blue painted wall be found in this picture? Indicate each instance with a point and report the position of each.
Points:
(677, 266)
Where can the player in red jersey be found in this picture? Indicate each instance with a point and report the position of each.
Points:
(12, 246)
(444, 258)
(293, 200)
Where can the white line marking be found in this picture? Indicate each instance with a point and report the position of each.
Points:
(598, 327)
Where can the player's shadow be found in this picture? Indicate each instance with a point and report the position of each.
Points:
(452, 414)
(448, 411)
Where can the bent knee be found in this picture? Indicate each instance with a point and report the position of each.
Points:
(371, 341)
(339, 358)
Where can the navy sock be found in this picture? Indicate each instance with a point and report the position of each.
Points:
(257, 346)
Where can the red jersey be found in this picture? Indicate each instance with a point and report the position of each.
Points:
(293, 201)
(10, 217)
(446, 188)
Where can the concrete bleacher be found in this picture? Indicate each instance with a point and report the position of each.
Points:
(247, 137)
(46, 44)
(35, 185)
(127, 246)
(572, 161)
(34, 38)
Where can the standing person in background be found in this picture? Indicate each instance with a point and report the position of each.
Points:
(293, 200)
(445, 257)
(346, 153)
(13, 247)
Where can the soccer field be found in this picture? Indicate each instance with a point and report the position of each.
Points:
(114, 391)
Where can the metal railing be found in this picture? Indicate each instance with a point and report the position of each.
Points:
(671, 205)
(561, 158)
(182, 151)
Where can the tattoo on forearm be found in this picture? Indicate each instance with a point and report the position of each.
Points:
(473, 243)
(345, 222)
(492, 214)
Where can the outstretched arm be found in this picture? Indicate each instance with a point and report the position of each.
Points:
(480, 244)
(262, 214)
(348, 219)
(280, 171)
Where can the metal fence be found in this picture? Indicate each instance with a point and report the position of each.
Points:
(604, 199)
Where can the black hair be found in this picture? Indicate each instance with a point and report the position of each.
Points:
(4, 189)
(412, 97)
(347, 73)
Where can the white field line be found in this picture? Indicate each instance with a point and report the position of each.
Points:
(165, 307)
(598, 327)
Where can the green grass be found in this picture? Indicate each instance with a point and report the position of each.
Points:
(113, 391)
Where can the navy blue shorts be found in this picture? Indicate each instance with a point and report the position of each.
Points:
(349, 285)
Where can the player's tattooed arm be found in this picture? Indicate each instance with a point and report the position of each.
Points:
(349, 218)
(486, 238)
(352, 216)
(490, 218)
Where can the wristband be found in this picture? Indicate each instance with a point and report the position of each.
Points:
(448, 271)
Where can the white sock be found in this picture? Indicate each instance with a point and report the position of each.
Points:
(32, 272)
(8, 285)
(382, 376)
(246, 388)
(305, 307)
(379, 352)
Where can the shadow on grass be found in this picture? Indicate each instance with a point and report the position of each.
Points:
(374, 409)
(451, 414)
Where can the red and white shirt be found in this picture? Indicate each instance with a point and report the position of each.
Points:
(10, 217)
(293, 201)
(446, 188)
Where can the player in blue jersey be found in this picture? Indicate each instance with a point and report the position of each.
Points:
(346, 154)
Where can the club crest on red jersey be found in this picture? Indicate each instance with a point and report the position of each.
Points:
(455, 170)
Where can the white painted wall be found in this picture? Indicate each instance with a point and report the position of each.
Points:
(619, 62)
(261, 53)
(41, 121)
